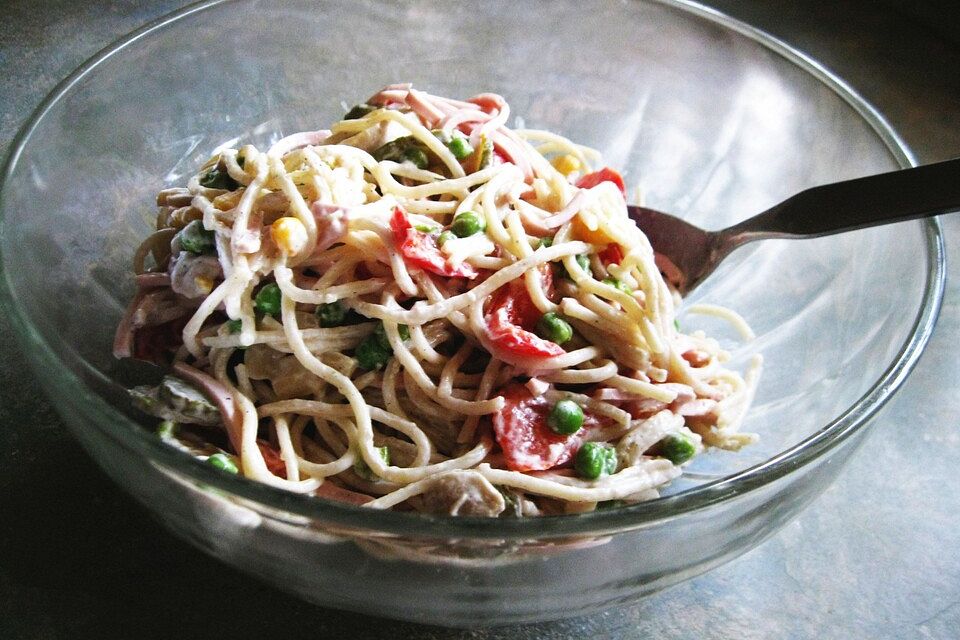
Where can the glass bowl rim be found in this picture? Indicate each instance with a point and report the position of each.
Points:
(132, 436)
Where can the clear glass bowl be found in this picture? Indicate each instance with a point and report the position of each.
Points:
(711, 118)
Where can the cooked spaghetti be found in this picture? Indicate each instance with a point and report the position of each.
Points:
(421, 308)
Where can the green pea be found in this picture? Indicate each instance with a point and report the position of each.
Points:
(359, 111)
(371, 354)
(677, 448)
(417, 156)
(444, 237)
(616, 284)
(235, 327)
(223, 462)
(467, 224)
(425, 228)
(362, 469)
(217, 179)
(381, 334)
(455, 142)
(565, 418)
(166, 429)
(460, 148)
(595, 459)
(583, 260)
(546, 242)
(554, 328)
(195, 239)
(267, 301)
(375, 350)
(332, 314)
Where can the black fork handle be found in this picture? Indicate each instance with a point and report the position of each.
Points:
(919, 192)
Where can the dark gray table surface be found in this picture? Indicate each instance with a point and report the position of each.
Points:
(878, 556)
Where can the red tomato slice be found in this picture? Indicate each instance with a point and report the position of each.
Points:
(604, 175)
(525, 313)
(613, 254)
(527, 441)
(271, 456)
(508, 339)
(511, 318)
(420, 249)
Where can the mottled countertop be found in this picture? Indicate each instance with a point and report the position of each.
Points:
(877, 556)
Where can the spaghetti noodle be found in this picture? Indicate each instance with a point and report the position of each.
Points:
(424, 309)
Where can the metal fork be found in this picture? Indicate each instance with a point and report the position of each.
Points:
(693, 253)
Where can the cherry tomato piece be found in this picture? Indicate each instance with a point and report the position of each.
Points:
(603, 175)
(420, 249)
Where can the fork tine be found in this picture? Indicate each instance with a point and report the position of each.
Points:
(684, 250)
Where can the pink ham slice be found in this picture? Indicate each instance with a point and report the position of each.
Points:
(422, 105)
(332, 224)
(686, 403)
(248, 240)
(145, 306)
(297, 141)
(152, 279)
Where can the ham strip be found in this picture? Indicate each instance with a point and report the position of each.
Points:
(232, 419)
(671, 272)
(297, 141)
(158, 306)
(145, 309)
(463, 117)
(152, 279)
(332, 224)
(249, 240)
(564, 215)
(123, 338)
(703, 408)
(396, 93)
(496, 107)
(686, 403)
(422, 105)
(512, 152)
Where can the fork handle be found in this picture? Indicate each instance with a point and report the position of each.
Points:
(919, 192)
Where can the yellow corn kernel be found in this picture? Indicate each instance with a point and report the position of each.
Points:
(204, 284)
(289, 234)
(566, 164)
